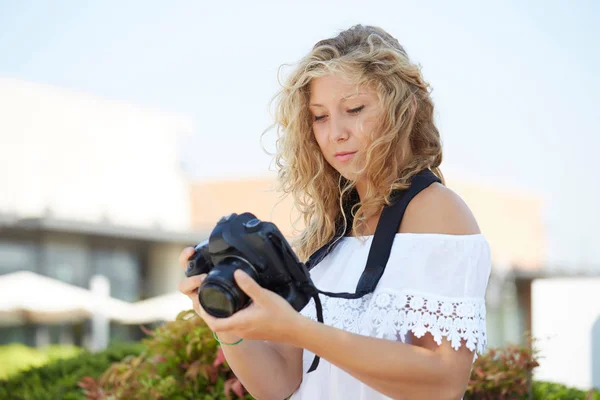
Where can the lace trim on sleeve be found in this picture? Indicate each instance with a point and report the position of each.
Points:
(391, 315)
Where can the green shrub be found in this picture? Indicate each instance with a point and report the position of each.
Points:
(555, 391)
(59, 379)
(17, 357)
(57, 352)
(181, 360)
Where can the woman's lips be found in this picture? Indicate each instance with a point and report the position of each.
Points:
(344, 156)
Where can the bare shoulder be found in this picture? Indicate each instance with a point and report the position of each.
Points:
(438, 209)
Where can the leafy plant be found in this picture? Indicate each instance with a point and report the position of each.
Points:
(503, 373)
(181, 360)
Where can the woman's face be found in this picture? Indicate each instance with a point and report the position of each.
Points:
(344, 120)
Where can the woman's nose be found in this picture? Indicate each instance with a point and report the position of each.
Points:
(339, 130)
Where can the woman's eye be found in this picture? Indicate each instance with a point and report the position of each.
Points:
(356, 110)
(353, 111)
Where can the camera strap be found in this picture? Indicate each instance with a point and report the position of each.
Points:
(381, 247)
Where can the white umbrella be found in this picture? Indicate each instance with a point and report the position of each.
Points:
(40, 299)
(159, 308)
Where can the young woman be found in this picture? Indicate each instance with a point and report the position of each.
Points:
(356, 117)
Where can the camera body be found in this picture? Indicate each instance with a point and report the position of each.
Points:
(257, 247)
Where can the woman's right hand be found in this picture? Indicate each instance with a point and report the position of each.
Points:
(189, 286)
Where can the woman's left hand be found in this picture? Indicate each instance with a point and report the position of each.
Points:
(268, 317)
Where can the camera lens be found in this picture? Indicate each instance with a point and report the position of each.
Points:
(219, 295)
(217, 301)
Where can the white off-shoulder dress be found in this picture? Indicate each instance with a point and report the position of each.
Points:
(432, 283)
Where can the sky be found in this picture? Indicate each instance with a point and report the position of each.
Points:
(514, 83)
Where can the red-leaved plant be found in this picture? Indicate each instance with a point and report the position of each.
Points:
(181, 360)
(503, 373)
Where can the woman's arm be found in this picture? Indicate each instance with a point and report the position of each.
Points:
(395, 369)
(268, 370)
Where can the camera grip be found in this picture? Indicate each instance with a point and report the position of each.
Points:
(199, 262)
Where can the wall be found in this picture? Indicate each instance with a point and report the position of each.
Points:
(510, 220)
(564, 311)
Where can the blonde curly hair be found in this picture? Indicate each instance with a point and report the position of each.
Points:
(408, 140)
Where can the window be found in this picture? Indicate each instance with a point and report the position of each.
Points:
(122, 268)
(17, 256)
(65, 262)
(24, 334)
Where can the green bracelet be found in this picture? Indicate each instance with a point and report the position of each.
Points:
(226, 344)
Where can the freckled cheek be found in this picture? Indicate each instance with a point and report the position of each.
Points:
(320, 138)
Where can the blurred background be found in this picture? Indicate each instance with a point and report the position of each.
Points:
(127, 129)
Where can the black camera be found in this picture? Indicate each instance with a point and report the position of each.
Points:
(259, 249)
